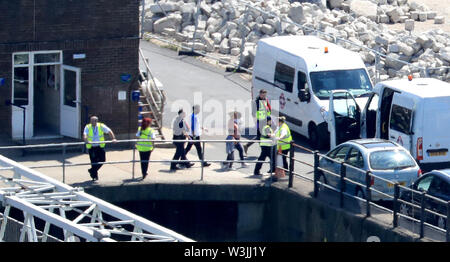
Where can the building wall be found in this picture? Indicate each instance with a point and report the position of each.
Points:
(107, 31)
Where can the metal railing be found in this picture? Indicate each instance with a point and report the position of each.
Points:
(366, 182)
(64, 146)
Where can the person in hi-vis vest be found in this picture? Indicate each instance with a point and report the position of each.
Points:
(284, 138)
(95, 132)
(267, 147)
(263, 110)
(145, 148)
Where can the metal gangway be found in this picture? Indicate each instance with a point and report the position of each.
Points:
(56, 212)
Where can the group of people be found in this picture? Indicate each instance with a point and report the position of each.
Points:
(272, 140)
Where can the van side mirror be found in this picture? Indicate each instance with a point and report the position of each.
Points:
(303, 94)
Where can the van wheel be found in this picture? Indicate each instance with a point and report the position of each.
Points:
(314, 137)
(440, 222)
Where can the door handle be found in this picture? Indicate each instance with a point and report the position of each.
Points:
(288, 99)
(76, 101)
(296, 103)
(393, 137)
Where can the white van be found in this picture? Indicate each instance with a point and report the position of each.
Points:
(301, 72)
(413, 113)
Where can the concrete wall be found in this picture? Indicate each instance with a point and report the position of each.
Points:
(268, 213)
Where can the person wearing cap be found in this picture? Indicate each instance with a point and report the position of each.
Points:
(180, 132)
(194, 133)
(145, 148)
(267, 147)
(284, 138)
(94, 132)
(234, 137)
(263, 110)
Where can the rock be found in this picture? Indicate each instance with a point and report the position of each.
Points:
(415, 15)
(422, 16)
(364, 8)
(395, 13)
(335, 3)
(267, 29)
(444, 53)
(217, 38)
(163, 7)
(409, 25)
(168, 32)
(296, 13)
(224, 47)
(439, 19)
(394, 48)
(406, 50)
(235, 51)
(235, 42)
(180, 37)
(383, 19)
(394, 61)
(205, 8)
(171, 21)
(209, 43)
(431, 15)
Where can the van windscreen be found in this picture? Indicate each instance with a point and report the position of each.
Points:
(356, 81)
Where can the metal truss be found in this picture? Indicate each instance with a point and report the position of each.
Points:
(68, 214)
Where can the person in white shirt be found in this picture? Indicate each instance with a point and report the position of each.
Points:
(194, 133)
(180, 132)
(94, 132)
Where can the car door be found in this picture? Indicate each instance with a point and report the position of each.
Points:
(400, 122)
(438, 189)
(338, 155)
(343, 118)
(354, 159)
(423, 185)
(369, 117)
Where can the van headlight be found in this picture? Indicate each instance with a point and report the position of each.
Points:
(324, 113)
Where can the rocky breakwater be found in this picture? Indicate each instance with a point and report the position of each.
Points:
(222, 25)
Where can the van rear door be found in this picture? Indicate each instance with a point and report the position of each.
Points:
(436, 122)
(400, 121)
(343, 117)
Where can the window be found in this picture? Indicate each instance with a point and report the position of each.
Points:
(47, 58)
(355, 158)
(424, 184)
(284, 77)
(401, 119)
(438, 187)
(21, 86)
(21, 59)
(391, 159)
(339, 153)
(356, 81)
(301, 80)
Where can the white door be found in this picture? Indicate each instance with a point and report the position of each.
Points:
(400, 121)
(70, 101)
(22, 100)
(343, 117)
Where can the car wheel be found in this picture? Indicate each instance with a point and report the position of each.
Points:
(405, 209)
(359, 193)
(440, 222)
(322, 181)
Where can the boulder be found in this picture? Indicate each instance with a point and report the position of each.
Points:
(224, 47)
(163, 7)
(296, 13)
(171, 21)
(439, 19)
(364, 8)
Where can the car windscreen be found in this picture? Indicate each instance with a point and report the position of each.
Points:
(390, 159)
(356, 81)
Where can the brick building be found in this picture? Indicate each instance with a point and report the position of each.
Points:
(63, 60)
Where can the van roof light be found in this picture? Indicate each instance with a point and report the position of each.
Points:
(410, 77)
(326, 49)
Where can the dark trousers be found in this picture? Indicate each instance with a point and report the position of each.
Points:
(96, 154)
(230, 156)
(266, 151)
(197, 146)
(285, 162)
(145, 156)
(258, 137)
(179, 153)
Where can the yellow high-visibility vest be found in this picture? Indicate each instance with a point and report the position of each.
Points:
(267, 141)
(145, 146)
(91, 134)
(263, 111)
(284, 144)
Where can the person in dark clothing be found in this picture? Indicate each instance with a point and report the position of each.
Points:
(263, 110)
(180, 132)
(194, 133)
(267, 147)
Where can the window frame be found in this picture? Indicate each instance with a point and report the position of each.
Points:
(278, 72)
(397, 125)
